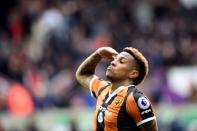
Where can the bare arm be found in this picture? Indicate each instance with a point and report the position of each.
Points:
(149, 126)
(86, 70)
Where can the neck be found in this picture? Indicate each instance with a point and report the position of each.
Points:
(117, 84)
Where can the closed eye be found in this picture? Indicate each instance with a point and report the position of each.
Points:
(122, 60)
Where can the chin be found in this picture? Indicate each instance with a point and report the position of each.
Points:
(110, 77)
(108, 74)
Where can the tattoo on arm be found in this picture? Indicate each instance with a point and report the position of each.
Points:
(86, 70)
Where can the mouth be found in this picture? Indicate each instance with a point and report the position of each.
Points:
(109, 67)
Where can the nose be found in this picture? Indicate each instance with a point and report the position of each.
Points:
(113, 63)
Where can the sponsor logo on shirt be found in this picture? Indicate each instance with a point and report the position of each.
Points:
(100, 117)
(146, 111)
(103, 109)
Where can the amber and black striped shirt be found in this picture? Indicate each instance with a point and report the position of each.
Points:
(122, 110)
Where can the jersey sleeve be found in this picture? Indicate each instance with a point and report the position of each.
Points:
(139, 108)
(96, 85)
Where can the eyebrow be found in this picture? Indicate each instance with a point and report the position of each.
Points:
(122, 57)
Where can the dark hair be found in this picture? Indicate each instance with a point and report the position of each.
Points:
(142, 62)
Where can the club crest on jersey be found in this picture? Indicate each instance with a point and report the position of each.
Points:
(143, 103)
(117, 102)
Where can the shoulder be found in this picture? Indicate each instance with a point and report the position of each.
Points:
(97, 85)
(139, 107)
(96, 81)
(139, 99)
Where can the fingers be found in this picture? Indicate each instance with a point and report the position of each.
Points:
(111, 50)
(114, 56)
(107, 52)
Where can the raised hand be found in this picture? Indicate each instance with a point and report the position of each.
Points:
(107, 52)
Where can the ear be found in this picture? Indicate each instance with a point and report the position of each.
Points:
(133, 74)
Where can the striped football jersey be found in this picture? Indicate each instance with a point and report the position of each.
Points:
(122, 110)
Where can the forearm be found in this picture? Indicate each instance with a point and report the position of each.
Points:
(87, 69)
(149, 126)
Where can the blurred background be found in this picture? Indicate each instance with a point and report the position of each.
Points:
(42, 42)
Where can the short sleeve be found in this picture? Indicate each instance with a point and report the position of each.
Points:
(139, 108)
(95, 85)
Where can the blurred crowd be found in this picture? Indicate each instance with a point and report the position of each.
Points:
(42, 42)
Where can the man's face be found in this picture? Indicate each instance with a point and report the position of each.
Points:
(120, 67)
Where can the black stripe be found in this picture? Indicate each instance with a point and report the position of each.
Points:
(111, 100)
(93, 93)
(124, 121)
(130, 89)
(100, 126)
(137, 95)
(103, 88)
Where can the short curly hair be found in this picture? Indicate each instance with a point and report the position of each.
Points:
(142, 62)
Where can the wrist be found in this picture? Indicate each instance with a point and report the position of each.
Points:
(97, 54)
